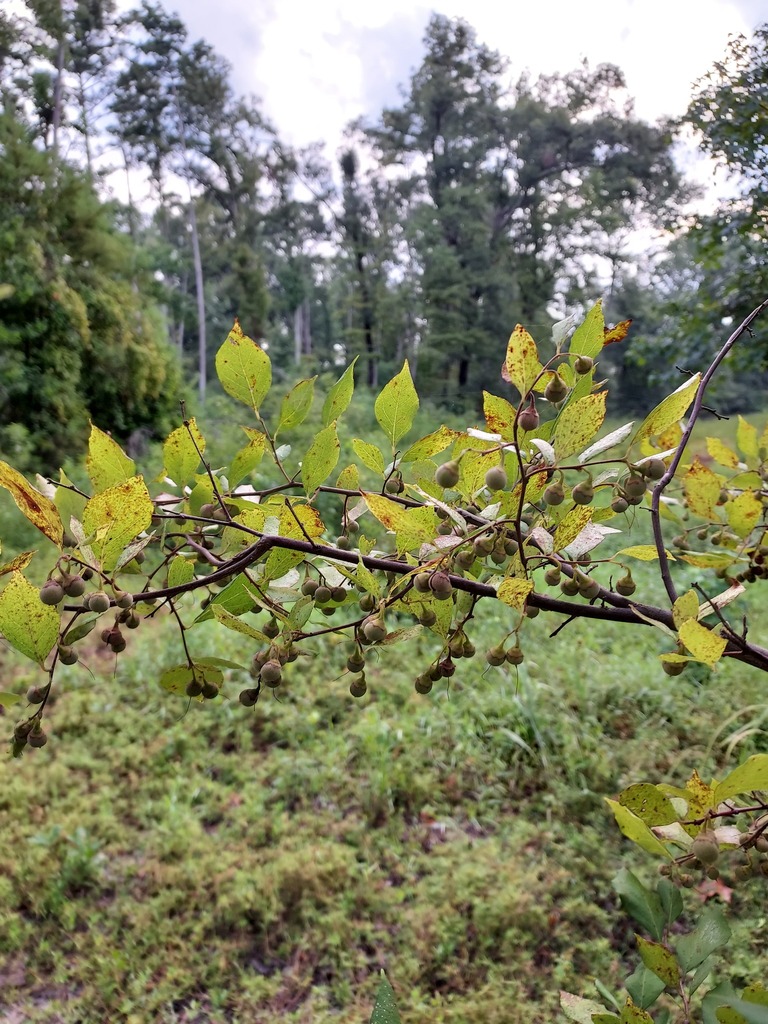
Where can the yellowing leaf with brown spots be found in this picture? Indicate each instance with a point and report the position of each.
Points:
(106, 462)
(26, 623)
(38, 509)
(743, 513)
(685, 607)
(514, 592)
(522, 362)
(19, 562)
(589, 336)
(499, 416)
(411, 526)
(115, 517)
(613, 335)
(578, 423)
(721, 453)
(702, 489)
(571, 526)
(182, 450)
(703, 644)
(746, 439)
(430, 445)
(668, 411)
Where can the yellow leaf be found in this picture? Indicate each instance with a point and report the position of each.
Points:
(685, 607)
(26, 623)
(753, 774)
(708, 560)
(19, 562)
(522, 362)
(669, 411)
(38, 509)
(578, 423)
(106, 462)
(514, 592)
(743, 513)
(702, 489)
(116, 517)
(634, 828)
(703, 644)
(182, 450)
(349, 479)
(746, 439)
(571, 526)
(721, 453)
(418, 530)
(430, 445)
(499, 416)
(644, 552)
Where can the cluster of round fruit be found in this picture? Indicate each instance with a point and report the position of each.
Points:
(267, 666)
(326, 598)
(705, 852)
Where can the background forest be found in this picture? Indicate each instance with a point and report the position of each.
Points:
(443, 221)
(185, 863)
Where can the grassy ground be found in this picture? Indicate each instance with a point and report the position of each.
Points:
(222, 864)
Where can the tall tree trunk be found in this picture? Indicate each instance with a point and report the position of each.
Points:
(58, 90)
(202, 354)
(86, 127)
(302, 331)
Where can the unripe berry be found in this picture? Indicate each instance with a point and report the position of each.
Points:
(210, 690)
(634, 486)
(248, 697)
(358, 687)
(626, 586)
(51, 592)
(309, 587)
(338, 594)
(374, 629)
(529, 417)
(515, 655)
(552, 576)
(496, 478)
(98, 602)
(556, 389)
(654, 468)
(123, 599)
(343, 543)
(427, 617)
(583, 493)
(705, 848)
(569, 587)
(367, 602)
(447, 475)
(441, 586)
(619, 504)
(583, 364)
(194, 687)
(495, 655)
(67, 655)
(37, 738)
(271, 672)
(322, 594)
(673, 668)
(465, 558)
(271, 629)
(421, 582)
(423, 684)
(36, 694)
(356, 662)
(74, 586)
(554, 494)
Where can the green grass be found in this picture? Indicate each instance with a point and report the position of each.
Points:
(221, 864)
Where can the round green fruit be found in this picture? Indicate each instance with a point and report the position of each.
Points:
(271, 672)
(583, 364)
(447, 475)
(423, 684)
(358, 687)
(496, 478)
(98, 602)
(556, 389)
(374, 629)
(52, 593)
(529, 418)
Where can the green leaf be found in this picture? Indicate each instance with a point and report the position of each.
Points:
(38, 509)
(397, 405)
(180, 456)
(578, 423)
(430, 445)
(244, 369)
(605, 1018)
(671, 901)
(701, 974)
(321, 459)
(711, 933)
(669, 411)
(578, 1009)
(233, 622)
(8, 699)
(588, 338)
(300, 613)
(369, 455)
(248, 458)
(106, 462)
(175, 680)
(236, 598)
(753, 774)
(660, 959)
(68, 501)
(751, 1013)
(720, 995)
(746, 439)
(82, 629)
(650, 805)
(296, 404)
(116, 517)
(180, 571)
(384, 1009)
(641, 903)
(644, 986)
(340, 395)
(26, 623)
(522, 363)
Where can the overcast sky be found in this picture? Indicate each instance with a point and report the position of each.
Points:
(317, 64)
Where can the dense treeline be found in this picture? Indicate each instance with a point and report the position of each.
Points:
(467, 208)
